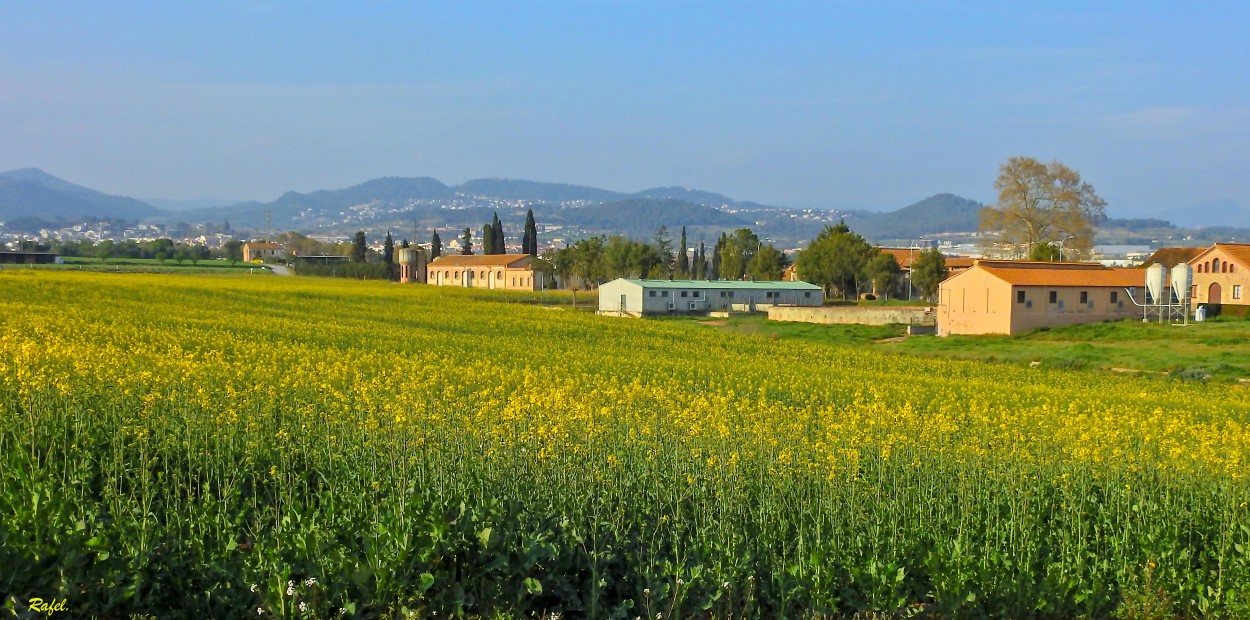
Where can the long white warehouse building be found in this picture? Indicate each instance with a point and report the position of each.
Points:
(634, 297)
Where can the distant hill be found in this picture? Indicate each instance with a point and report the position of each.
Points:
(689, 195)
(641, 216)
(387, 191)
(30, 193)
(942, 213)
(513, 189)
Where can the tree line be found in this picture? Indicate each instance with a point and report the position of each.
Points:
(737, 256)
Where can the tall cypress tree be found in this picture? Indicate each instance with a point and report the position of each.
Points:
(700, 262)
(683, 260)
(436, 246)
(497, 234)
(488, 239)
(388, 255)
(717, 251)
(466, 241)
(359, 247)
(530, 242)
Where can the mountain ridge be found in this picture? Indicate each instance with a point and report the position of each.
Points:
(31, 192)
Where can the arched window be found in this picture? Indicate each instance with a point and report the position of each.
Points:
(1231, 267)
(1215, 265)
(1224, 267)
(1206, 267)
(457, 274)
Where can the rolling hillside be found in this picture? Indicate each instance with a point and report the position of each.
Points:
(33, 193)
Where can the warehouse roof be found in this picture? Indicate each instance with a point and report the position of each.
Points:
(1026, 273)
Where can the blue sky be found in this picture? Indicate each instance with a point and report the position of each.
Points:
(849, 104)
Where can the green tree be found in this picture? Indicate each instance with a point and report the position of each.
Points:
(882, 270)
(835, 260)
(360, 247)
(497, 238)
(928, 271)
(1038, 204)
(699, 268)
(664, 246)
(588, 264)
(1047, 252)
(717, 250)
(488, 239)
(562, 262)
(104, 250)
(529, 243)
(436, 246)
(161, 258)
(466, 241)
(233, 251)
(198, 252)
(737, 253)
(683, 258)
(388, 255)
(767, 264)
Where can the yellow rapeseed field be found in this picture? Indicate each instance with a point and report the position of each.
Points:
(304, 448)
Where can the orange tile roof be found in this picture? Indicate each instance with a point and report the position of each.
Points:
(263, 245)
(1170, 257)
(1024, 273)
(1240, 252)
(904, 257)
(479, 260)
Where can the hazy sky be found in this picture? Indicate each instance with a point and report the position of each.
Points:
(834, 104)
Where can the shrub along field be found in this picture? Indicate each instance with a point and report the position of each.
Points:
(291, 447)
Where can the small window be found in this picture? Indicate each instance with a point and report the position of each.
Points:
(1236, 291)
(1115, 297)
(807, 294)
(695, 294)
(1231, 267)
(650, 293)
(1084, 297)
(1054, 297)
(1019, 297)
(684, 293)
(457, 274)
(663, 293)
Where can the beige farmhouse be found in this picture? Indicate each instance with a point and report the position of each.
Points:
(1012, 297)
(261, 250)
(492, 271)
(1222, 275)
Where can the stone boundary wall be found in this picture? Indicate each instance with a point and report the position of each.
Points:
(857, 315)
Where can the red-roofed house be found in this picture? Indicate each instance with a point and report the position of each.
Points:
(1222, 275)
(494, 271)
(1012, 297)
